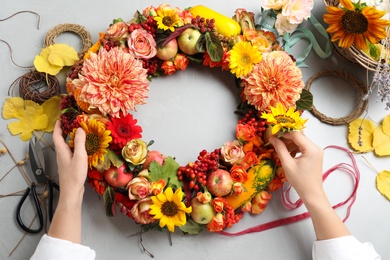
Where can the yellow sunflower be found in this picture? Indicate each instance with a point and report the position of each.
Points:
(169, 209)
(167, 19)
(97, 140)
(242, 58)
(355, 24)
(284, 121)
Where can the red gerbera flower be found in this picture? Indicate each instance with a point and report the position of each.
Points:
(123, 129)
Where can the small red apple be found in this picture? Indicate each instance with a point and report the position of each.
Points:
(117, 177)
(201, 213)
(168, 51)
(153, 156)
(219, 183)
(187, 41)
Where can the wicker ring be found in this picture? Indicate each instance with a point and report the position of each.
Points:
(360, 107)
(36, 86)
(84, 34)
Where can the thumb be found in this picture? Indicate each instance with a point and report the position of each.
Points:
(281, 150)
(79, 142)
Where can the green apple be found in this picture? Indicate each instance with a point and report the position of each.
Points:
(202, 213)
(187, 41)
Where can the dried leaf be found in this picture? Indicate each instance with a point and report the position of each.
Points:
(383, 183)
(62, 55)
(51, 108)
(386, 125)
(54, 57)
(360, 135)
(30, 114)
(381, 142)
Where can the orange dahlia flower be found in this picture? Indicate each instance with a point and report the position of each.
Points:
(275, 79)
(113, 82)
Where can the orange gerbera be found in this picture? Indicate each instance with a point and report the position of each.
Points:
(354, 24)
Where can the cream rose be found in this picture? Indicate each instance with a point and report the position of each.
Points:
(139, 188)
(135, 151)
(283, 25)
(140, 211)
(232, 152)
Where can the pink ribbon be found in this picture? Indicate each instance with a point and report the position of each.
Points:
(351, 169)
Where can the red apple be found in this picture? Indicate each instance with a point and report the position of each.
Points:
(153, 156)
(187, 41)
(219, 183)
(168, 51)
(117, 177)
(201, 213)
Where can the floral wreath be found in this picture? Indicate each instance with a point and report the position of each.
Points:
(214, 191)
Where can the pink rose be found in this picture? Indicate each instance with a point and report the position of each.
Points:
(139, 188)
(142, 44)
(117, 32)
(181, 61)
(232, 152)
(297, 10)
(204, 197)
(217, 223)
(186, 16)
(283, 25)
(218, 204)
(273, 4)
(140, 211)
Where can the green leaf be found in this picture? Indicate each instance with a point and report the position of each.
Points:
(167, 172)
(200, 44)
(108, 198)
(110, 158)
(306, 100)
(192, 228)
(213, 46)
(374, 52)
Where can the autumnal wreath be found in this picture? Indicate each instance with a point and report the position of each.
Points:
(215, 190)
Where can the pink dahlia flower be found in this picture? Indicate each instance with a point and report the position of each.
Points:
(276, 79)
(113, 81)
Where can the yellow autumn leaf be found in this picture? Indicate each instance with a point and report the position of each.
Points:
(51, 108)
(386, 125)
(361, 142)
(30, 114)
(13, 108)
(54, 57)
(381, 142)
(62, 55)
(383, 183)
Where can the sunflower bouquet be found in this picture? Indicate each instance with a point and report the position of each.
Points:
(214, 191)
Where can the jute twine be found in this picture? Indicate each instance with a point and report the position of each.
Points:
(83, 33)
(36, 86)
(360, 107)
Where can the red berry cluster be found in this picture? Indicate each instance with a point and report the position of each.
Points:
(204, 25)
(108, 45)
(68, 118)
(75, 69)
(151, 65)
(251, 118)
(231, 217)
(196, 173)
(149, 25)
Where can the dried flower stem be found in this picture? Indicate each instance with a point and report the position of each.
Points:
(21, 239)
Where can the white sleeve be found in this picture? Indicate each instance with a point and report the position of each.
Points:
(57, 249)
(343, 248)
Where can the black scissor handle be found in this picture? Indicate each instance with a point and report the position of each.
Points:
(52, 185)
(37, 206)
